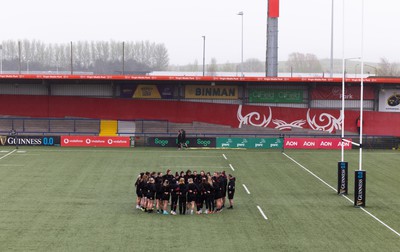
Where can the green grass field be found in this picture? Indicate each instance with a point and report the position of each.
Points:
(56, 199)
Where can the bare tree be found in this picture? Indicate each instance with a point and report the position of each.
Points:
(160, 58)
(95, 56)
(228, 67)
(303, 63)
(385, 68)
(212, 69)
(253, 65)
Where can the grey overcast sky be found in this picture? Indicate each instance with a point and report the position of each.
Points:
(304, 26)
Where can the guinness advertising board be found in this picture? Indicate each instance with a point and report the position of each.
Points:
(359, 188)
(29, 140)
(342, 187)
(173, 142)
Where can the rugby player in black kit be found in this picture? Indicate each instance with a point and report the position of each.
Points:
(151, 191)
(231, 190)
(182, 191)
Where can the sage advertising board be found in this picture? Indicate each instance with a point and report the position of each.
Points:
(264, 95)
(173, 141)
(248, 143)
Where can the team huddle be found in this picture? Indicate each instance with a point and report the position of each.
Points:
(189, 192)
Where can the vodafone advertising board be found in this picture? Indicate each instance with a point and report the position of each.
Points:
(316, 143)
(94, 141)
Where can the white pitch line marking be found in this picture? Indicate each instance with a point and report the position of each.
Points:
(245, 188)
(28, 154)
(363, 209)
(192, 166)
(224, 156)
(8, 154)
(233, 169)
(190, 156)
(262, 213)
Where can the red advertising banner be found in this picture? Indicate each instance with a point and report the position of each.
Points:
(94, 141)
(335, 93)
(316, 143)
(273, 8)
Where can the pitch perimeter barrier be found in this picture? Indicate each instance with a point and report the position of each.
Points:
(258, 143)
(173, 142)
(15, 140)
(316, 143)
(250, 141)
(264, 143)
(95, 141)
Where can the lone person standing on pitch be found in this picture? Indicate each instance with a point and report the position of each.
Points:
(179, 140)
(231, 190)
(183, 138)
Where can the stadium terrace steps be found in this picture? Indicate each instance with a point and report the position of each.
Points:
(199, 128)
(6, 125)
(140, 127)
(61, 125)
(126, 128)
(50, 126)
(108, 128)
(82, 126)
(36, 126)
(152, 127)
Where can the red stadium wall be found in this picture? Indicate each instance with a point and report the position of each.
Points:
(375, 123)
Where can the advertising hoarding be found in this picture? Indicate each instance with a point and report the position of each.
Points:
(249, 143)
(324, 92)
(95, 141)
(173, 142)
(315, 143)
(360, 178)
(29, 140)
(147, 91)
(264, 95)
(343, 177)
(211, 92)
(389, 100)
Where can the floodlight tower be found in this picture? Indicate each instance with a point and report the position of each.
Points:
(272, 39)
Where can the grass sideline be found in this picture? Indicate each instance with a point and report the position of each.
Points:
(56, 199)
